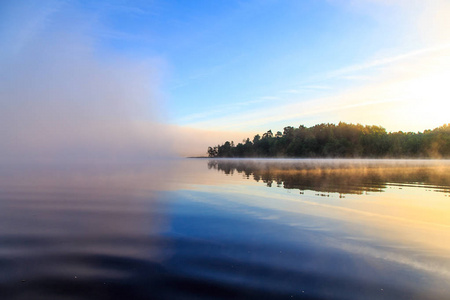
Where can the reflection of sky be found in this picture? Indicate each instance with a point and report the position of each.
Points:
(307, 238)
(411, 216)
(208, 227)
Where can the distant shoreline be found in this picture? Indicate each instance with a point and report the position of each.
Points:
(321, 158)
(340, 141)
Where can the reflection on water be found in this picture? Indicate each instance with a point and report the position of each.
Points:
(341, 176)
(226, 229)
(406, 201)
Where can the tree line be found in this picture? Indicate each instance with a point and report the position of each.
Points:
(342, 140)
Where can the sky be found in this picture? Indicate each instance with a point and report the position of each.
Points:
(92, 80)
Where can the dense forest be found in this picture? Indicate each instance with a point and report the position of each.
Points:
(342, 140)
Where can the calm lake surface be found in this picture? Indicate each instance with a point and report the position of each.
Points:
(226, 229)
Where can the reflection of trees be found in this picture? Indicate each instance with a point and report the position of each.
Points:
(339, 176)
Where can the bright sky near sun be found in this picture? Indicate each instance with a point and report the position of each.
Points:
(244, 66)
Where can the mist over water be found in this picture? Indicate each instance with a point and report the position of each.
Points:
(94, 206)
(343, 176)
(226, 229)
(63, 99)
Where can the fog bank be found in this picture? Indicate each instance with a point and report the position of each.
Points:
(63, 98)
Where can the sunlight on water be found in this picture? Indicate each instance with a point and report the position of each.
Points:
(195, 228)
(409, 199)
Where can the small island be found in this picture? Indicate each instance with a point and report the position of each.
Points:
(340, 141)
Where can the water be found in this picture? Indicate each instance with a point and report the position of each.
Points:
(226, 229)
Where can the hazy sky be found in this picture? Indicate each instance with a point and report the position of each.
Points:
(125, 77)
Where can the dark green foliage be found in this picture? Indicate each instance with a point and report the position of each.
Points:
(342, 140)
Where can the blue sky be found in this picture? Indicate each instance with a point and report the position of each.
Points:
(222, 54)
(236, 58)
(238, 67)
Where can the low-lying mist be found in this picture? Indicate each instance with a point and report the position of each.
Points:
(63, 99)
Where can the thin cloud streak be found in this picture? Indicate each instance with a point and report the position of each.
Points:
(400, 88)
(412, 82)
(223, 109)
(387, 60)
